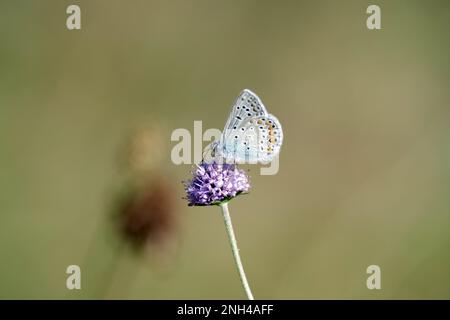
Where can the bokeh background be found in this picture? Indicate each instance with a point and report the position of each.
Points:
(364, 170)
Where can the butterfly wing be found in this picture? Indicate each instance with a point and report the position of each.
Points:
(270, 138)
(250, 134)
(257, 139)
(246, 106)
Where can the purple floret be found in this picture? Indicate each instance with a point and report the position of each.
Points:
(215, 183)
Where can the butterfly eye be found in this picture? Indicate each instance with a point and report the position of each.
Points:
(235, 137)
(249, 114)
(234, 127)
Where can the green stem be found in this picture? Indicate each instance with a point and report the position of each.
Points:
(235, 250)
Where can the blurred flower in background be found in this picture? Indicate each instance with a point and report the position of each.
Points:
(147, 215)
(143, 220)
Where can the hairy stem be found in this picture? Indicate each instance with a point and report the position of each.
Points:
(235, 250)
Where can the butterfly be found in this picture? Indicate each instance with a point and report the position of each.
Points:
(251, 134)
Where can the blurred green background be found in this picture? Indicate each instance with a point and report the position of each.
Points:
(364, 170)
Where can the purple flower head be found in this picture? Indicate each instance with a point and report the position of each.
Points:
(215, 183)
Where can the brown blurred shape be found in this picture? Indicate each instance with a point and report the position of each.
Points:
(148, 215)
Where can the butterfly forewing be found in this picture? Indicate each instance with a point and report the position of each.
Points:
(247, 105)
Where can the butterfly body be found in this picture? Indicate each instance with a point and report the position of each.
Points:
(251, 134)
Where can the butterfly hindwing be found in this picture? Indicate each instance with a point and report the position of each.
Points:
(271, 137)
(258, 139)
